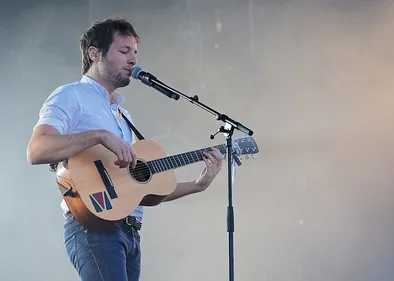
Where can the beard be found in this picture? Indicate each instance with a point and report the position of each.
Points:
(112, 75)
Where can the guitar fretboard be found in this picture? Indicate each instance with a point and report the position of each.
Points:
(180, 160)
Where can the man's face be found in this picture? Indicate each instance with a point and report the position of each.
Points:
(121, 57)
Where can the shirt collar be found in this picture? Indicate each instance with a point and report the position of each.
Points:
(101, 90)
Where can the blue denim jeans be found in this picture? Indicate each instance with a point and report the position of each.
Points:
(103, 256)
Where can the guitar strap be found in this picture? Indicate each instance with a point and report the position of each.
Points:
(134, 129)
(53, 166)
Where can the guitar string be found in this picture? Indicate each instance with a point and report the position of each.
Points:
(158, 164)
(167, 163)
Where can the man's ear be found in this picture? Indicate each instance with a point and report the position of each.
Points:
(94, 54)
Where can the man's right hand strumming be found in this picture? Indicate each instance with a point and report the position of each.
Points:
(120, 148)
(47, 146)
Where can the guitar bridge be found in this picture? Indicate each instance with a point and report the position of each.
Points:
(106, 179)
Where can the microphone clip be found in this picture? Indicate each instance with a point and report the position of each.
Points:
(146, 78)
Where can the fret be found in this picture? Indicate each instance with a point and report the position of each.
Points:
(170, 163)
(177, 161)
(162, 164)
(167, 163)
(152, 167)
(157, 168)
(161, 168)
(196, 155)
(180, 159)
(184, 158)
(173, 162)
(189, 158)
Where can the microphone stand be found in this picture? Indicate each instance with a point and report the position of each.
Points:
(228, 131)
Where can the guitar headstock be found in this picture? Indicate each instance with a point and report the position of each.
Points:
(245, 146)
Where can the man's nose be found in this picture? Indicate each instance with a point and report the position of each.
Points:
(132, 61)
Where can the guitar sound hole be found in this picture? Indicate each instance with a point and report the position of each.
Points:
(141, 172)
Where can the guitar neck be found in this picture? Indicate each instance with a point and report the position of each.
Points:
(180, 160)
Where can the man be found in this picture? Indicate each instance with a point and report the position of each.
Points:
(80, 115)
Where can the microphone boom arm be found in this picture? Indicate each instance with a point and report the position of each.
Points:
(150, 80)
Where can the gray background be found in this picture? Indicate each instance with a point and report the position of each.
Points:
(313, 79)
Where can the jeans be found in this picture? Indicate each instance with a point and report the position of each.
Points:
(103, 256)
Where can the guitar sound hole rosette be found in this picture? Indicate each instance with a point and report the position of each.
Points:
(141, 173)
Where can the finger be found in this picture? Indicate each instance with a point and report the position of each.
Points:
(208, 162)
(133, 158)
(209, 156)
(130, 159)
(218, 157)
(126, 158)
(216, 153)
(119, 155)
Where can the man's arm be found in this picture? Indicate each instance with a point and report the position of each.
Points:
(48, 146)
(182, 189)
(213, 165)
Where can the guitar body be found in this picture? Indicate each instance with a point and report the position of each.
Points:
(91, 178)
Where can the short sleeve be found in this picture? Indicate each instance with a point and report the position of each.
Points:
(62, 110)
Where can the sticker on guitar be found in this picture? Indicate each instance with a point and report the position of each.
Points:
(100, 201)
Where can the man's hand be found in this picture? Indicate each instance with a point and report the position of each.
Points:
(120, 148)
(213, 164)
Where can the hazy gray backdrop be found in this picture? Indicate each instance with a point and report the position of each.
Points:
(312, 78)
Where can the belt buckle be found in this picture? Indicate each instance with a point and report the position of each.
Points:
(129, 221)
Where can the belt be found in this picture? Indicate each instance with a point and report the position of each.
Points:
(132, 222)
(128, 221)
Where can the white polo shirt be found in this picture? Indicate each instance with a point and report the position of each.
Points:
(82, 106)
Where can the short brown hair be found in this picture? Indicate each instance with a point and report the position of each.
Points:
(100, 35)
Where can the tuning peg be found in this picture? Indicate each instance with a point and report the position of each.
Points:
(246, 156)
(253, 156)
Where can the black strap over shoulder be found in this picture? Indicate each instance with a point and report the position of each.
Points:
(137, 133)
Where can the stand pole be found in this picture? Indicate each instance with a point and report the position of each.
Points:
(230, 209)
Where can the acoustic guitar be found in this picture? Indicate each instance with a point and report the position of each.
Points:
(100, 195)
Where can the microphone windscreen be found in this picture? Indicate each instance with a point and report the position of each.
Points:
(135, 70)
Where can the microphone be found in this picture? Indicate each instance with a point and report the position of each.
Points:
(151, 81)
